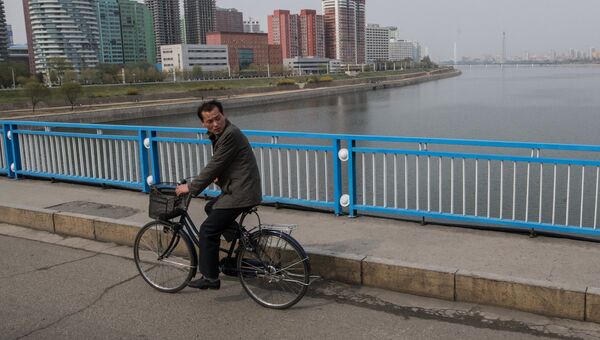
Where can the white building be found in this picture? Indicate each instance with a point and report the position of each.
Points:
(404, 49)
(252, 26)
(63, 29)
(310, 65)
(378, 42)
(183, 57)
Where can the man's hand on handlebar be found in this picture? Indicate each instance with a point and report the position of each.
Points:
(182, 188)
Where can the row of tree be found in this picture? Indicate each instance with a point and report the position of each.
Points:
(37, 92)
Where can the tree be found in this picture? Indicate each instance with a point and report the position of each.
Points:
(7, 69)
(57, 67)
(72, 91)
(36, 92)
(88, 75)
(196, 72)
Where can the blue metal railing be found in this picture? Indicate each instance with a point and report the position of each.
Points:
(468, 181)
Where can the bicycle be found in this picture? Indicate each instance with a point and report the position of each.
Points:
(271, 265)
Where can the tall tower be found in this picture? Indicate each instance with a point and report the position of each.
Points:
(279, 29)
(109, 29)
(312, 34)
(3, 34)
(455, 54)
(137, 31)
(503, 48)
(165, 14)
(76, 38)
(345, 30)
(200, 18)
(229, 20)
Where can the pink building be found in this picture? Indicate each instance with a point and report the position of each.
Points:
(299, 35)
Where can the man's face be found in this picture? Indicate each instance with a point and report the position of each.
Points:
(214, 121)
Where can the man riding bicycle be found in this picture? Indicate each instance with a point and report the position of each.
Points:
(233, 168)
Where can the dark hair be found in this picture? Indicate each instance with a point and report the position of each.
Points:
(209, 106)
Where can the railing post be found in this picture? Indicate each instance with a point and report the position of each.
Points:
(14, 165)
(8, 151)
(351, 178)
(154, 157)
(144, 160)
(337, 177)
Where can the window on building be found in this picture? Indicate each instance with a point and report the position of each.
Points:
(246, 57)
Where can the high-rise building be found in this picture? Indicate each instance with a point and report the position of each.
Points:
(378, 42)
(345, 30)
(252, 26)
(279, 31)
(109, 29)
(4, 42)
(229, 20)
(199, 19)
(312, 34)
(298, 35)
(75, 39)
(9, 33)
(165, 16)
(137, 30)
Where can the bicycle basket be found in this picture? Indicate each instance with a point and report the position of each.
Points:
(165, 204)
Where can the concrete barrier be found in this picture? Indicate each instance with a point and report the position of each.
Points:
(592, 304)
(409, 278)
(40, 219)
(533, 296)
(119, 232)
(74, 225)
(345, 268)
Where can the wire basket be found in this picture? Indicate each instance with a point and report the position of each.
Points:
(165, 204)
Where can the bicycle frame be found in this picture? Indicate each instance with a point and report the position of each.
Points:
(186, 224)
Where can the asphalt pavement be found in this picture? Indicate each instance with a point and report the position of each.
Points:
(55, 287)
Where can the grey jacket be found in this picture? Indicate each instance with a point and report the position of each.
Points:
(234, 165)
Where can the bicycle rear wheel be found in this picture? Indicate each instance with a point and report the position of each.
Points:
(164, 257)
(273, 269)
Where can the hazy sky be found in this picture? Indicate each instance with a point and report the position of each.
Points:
(536, 26)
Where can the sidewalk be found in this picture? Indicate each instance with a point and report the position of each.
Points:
(543, 275)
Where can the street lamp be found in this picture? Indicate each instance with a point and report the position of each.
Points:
(12, 70)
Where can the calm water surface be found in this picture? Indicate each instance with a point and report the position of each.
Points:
(544, 104)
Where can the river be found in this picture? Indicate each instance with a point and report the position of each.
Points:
(543, 104)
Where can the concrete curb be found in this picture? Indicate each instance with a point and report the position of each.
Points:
(540, 297)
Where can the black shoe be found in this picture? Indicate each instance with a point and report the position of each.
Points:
(204, 283)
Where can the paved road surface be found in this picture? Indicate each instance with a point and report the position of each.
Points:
(50, 291)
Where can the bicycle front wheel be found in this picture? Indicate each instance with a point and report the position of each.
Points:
(164, 257)
(273, 269)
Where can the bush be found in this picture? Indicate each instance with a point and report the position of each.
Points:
(286, 81)
(132, 92)
(312, 79)
(325, 79)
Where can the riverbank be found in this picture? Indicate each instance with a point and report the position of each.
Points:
(155, 108)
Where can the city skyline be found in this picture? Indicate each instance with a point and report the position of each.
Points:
(536, 27)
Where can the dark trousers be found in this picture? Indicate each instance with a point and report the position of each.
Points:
(210, 236)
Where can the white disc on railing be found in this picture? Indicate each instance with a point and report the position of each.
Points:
(147, 143)
(345, 200)
(9, 135)
(150, 180)
(12, 166)
(343, 155)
